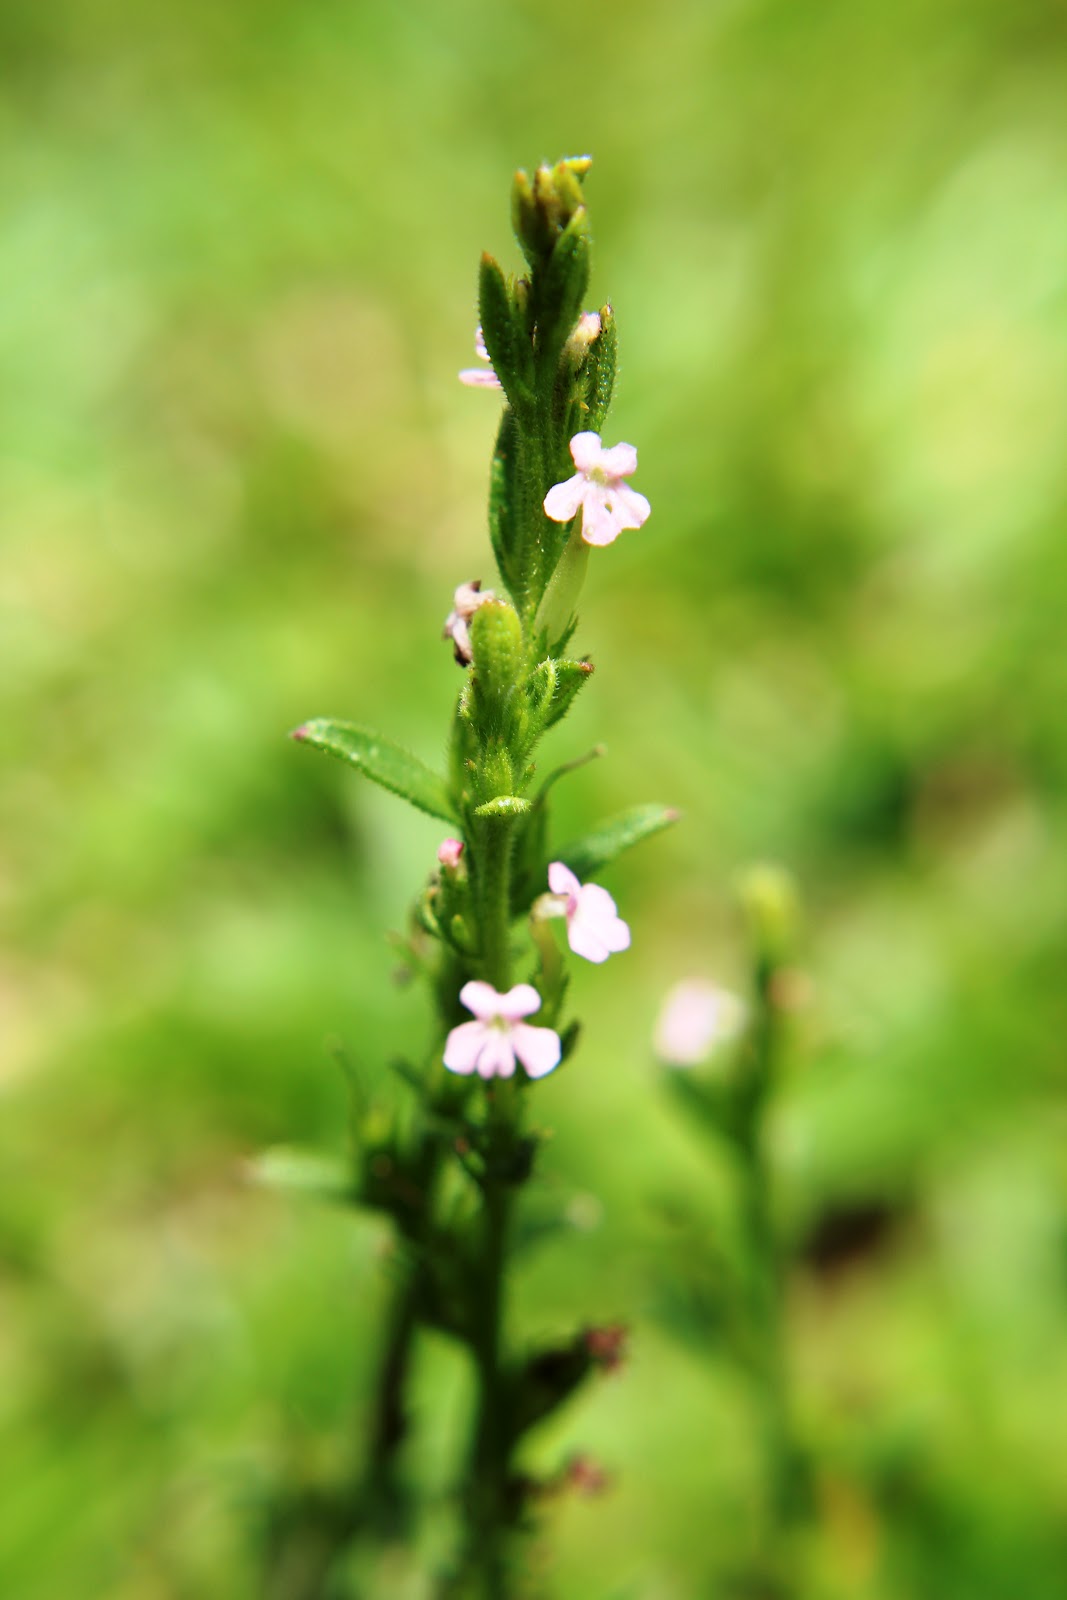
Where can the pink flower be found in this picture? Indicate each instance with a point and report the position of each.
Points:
(490, 1044)
(608, 505)
(465, 602)
(480, 377)
(449, 852)
(594, 928)
(696, 1018)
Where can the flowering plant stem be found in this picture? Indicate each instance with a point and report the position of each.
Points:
(450, 1174)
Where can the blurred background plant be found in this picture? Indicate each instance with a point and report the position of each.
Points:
(238, 479)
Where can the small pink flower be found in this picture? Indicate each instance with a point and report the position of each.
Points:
(465, 602)
(696, 1018)
(608, 505)
(480, 377)
(449, 852)
(594, 928)
(490, 1044)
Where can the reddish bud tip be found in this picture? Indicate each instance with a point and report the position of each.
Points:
(300, 733)
(586, 1476)
(607, 1346)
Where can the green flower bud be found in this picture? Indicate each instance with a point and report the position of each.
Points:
(496, 648)
(768, 898)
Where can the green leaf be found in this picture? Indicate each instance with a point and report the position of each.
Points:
(395, 769)
(597, 849)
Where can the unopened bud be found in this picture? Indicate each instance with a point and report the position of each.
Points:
(768, 899)
(449, 852)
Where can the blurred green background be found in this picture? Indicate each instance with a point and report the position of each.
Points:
(238, 483)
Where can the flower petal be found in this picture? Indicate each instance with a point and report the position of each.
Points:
(538, 1049)
(480, 378)
(561, 879)
(632, 508)
(563, 499)
(586, 452)
(585, 940)
(600, 523)
(464, 1045)
(497, 1059)
(521, 1001)
(620, 461)
(481, 998)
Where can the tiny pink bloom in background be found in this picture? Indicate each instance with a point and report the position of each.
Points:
(697, 1016)
(594, 928)
(480, 377)
(490, 1044)
(465, 602)
(449, 852)
(608, 505)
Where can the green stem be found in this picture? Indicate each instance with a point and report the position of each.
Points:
(494, 883)
(767, 1297)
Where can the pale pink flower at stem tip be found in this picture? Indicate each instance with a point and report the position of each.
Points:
(594, 928)
(607, 503)
(498, 1036)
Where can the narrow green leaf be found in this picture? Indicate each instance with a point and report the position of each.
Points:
(597, 849)
(395, 769)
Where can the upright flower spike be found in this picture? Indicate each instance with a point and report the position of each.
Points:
(594, 928)
(490, 1044)
(607, 503)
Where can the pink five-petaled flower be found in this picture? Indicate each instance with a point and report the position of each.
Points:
(490, 1044)
(480, 377)
(594, 928)
(608, 505)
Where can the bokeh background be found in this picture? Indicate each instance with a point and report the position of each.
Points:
(238, 482)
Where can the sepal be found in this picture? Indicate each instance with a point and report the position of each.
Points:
(499, 330)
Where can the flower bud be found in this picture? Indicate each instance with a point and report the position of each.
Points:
(496, 649)
(768, 898)
(449, 852)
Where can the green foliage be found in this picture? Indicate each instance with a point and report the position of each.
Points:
(598, 849)
(230, 493)
(395, 769)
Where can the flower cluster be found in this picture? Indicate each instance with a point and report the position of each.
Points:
(490, 1044)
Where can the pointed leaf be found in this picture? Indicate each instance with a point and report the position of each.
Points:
(586, 856)
(395, 769)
